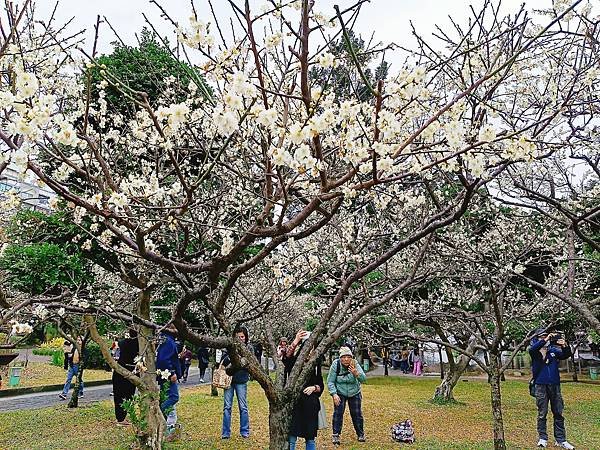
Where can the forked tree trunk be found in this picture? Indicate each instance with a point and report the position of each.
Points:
(280, 417)
(444, 392)
(498, 423)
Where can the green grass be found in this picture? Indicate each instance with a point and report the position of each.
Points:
(44, 373)
(460, 426)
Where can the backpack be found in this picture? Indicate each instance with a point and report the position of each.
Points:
(403, 432)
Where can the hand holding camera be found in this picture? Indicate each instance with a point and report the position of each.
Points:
(556, 339)
(301, 336)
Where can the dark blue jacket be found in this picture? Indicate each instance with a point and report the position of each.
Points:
(545, 371)
(167, 357)
(240, 376)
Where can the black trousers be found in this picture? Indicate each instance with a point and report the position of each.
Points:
(122, 390)
(202, 368)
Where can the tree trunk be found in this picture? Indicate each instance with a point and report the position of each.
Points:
(444, 392)
(574, 367)
(74, 401)
(498, 423)
(280, 416)
(152, 436)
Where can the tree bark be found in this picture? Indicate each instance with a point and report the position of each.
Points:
(152, 437)
(498, 423)
(74, 401)
(280, 417)
(444, 392)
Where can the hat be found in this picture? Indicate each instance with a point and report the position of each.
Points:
(345, 351)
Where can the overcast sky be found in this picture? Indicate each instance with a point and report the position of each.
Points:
(388, 18)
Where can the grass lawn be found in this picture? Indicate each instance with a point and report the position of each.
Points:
(385, 401)
(44, 373)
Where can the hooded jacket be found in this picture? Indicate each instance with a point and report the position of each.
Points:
(167, 357)
(545, 370)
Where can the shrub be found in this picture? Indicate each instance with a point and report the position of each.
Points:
(94, 358)
(58, 358)
(54, 343)
(44, 351)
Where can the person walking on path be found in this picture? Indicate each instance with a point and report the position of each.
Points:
(203, 360)
(239, 386)
(167, 362)
(344, 384)
(74, 362)
(546, 350)
(185, 357)
(305, 415)
(123, 389)
(417, 362)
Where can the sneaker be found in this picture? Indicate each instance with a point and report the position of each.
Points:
(362, 438)
(62, 396)
(81, 395)
(124, 423)
(543, 443)
(173, 434)
(201, 380)
(335, 439)
(565, 444)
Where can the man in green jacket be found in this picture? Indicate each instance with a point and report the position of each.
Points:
(344, 383)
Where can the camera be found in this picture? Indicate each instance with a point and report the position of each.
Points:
(555, 337)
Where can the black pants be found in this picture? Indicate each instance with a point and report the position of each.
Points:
(202, 368)
(550, 393)
(122, 390)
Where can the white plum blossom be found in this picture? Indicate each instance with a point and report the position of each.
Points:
(26, 84)
(226, 122)
(327, 60)
(22, 328)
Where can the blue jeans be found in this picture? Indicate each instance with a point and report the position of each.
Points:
(172, 396)
(241, 392)
(310, 443)
(73, 370)
(172, 399)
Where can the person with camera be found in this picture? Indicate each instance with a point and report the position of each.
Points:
(547, 350)
(344, 384)
(305, 415)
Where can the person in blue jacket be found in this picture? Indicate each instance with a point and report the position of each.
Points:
(547, 350)
(167, 362)
(239, 386)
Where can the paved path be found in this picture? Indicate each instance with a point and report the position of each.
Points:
(92, 394)
(27, 354)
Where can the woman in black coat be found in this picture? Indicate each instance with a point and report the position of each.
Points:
(305, 415)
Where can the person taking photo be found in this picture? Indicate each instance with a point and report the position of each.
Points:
(547, 350)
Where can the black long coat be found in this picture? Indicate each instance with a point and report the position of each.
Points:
(305, 416)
